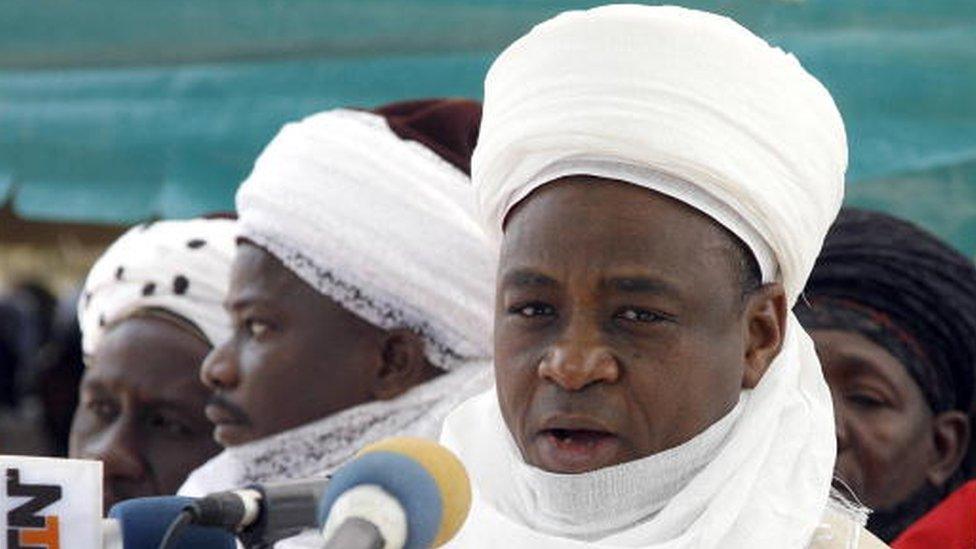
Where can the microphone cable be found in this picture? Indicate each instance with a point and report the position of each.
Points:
(176, 529)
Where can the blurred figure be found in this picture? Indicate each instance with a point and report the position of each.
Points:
(360, 292)
(150, 312)
(892, 311)
(57, 371)
(26, 314)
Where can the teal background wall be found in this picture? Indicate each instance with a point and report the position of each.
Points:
(115, 112)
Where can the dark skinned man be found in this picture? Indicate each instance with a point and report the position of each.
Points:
(659, 181)
(150, 312)
(892, 311)
(360, 293)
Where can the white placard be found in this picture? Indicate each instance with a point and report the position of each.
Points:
(50, 502)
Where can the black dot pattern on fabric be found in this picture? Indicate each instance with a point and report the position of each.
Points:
(149, 289)
(119, 272)
(101, 320)
(196, 243)
(180, 285)
(88, 298)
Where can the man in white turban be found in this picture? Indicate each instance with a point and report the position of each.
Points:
(360, 293)
(150, 311)
(660, 181)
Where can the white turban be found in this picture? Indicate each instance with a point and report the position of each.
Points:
(378, 223)
(181, 267)
(730, 125)
(694, 106)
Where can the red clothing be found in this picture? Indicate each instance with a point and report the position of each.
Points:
(951, 525)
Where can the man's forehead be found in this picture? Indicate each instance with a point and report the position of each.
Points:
(255, 270)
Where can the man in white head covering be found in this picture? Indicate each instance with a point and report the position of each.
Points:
(360, 293)
(660, 181)
(150, 311)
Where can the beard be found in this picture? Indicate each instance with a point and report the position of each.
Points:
(890, 522)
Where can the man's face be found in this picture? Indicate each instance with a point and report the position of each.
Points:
(619, 329)
(295, 355)
(884, 425)
(141, 409)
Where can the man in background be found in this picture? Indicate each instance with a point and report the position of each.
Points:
(892, 311)
(150, 312)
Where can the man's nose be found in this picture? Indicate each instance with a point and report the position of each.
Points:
(118, 450)
(579, 359)
(219, 369)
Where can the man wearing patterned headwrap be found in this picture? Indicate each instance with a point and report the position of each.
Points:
(150, 312)
(892, 311)
(659, 181)
(361, 292)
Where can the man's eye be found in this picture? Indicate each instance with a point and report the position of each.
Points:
(256, 328)
(634, 314)
(865, 400)
(104, 410)
(168, 425)
(532, 310)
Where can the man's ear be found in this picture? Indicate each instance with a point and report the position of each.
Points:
(951, 432)
(404, 364)
(765, 328)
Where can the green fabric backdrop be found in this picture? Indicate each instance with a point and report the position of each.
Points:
(115, 111)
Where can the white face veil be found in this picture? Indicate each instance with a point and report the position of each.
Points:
(694, 106)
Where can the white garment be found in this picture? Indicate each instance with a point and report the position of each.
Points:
(382, 225)
(606, 501)
(766, 485)
(182, 267)
(654, 95)
(317, 448)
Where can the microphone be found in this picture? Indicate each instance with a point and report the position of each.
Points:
(261, 514)
(399, 493)
(144, 522)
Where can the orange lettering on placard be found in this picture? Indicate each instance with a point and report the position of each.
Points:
(48, 537)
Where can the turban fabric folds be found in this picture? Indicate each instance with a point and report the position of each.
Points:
(375, 210)
(751, 138)
(917, 297)
(180, 267)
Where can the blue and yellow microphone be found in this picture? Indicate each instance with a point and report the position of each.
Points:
(398, 493)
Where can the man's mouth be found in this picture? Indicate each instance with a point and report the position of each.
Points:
(230, 423)
(567, 449)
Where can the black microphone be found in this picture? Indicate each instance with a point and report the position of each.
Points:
(262, 514)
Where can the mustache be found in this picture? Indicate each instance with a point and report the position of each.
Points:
(235, 411)
(591, 403)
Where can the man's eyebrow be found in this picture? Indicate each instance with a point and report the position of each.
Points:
(527, 278)
(639, 284)
(242, 302)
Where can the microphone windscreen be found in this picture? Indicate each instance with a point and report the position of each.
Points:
(447, 470)
(144, 522)
(428, 481)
